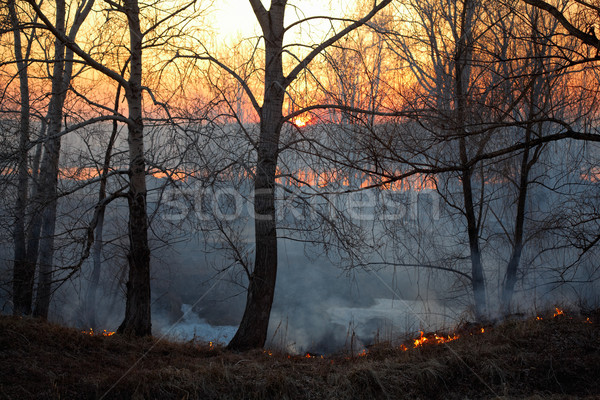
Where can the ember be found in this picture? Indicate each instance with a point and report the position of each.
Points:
(103, 333)
(313, 355)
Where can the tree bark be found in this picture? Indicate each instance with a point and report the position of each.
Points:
(46, 265)
(49, 170)
(137, 319)
(61, 78)
(252, 332)
(23, 275)
(478, 279)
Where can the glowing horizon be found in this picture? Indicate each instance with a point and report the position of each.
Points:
(234, 19)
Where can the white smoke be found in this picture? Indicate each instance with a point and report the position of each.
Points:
(192, 327)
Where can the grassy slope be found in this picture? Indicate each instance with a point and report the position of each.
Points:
(553, 358)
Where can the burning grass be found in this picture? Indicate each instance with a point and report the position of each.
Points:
(556, 356)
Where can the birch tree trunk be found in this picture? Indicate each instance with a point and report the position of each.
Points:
(61, 78)
(49, 170)
(137, 310)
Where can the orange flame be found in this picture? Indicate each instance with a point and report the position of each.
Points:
(558, 312)
(103, 333)
(436, 339)
(421, 340)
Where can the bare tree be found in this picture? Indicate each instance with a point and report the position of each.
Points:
(485, 98)
(46, 196)
(100, 211)
(537, 83)
(148, 27)
(446, 89)
(137, 319)
(252, 332)
(23, 274)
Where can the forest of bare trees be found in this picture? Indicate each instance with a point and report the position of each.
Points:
(454, 140)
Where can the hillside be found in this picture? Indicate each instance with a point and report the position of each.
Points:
(549, 358)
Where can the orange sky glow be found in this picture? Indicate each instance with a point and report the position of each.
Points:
(228, 29)
(235, 18)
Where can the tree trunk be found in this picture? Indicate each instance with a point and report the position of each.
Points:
(23, 275)
(90, 301)
(46, 257)
(463, 59)
(515, 258)
(61, 77)
(137, 310)
(90, 298)
(478, 279)
(252, 332)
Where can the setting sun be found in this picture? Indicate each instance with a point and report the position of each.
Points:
(301, 121)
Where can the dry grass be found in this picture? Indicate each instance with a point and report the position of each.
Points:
(554, 358)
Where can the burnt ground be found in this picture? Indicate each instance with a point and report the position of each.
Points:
(552, 358)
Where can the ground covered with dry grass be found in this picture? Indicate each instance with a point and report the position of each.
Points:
(554, 357)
